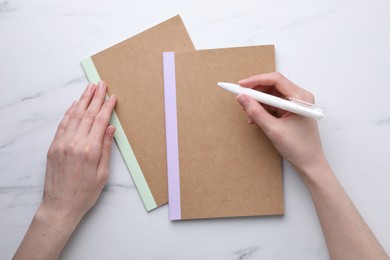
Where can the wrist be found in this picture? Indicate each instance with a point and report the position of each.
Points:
(314, 171)
(57, 219)
(47, 235)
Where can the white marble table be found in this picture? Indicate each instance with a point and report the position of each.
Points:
(337, 49)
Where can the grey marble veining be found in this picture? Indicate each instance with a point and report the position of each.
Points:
(42, 93)
(383, 121)
(5, 7)
(307, 20)
(247, 253)
(337, 50)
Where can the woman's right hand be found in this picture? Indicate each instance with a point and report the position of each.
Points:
(295, 137)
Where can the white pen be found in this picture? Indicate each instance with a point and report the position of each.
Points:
(291, 105)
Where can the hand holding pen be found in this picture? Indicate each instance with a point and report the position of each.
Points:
(296, 137)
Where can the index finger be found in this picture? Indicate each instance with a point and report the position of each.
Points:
(279, 82)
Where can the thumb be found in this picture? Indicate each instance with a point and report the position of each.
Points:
(256, 112)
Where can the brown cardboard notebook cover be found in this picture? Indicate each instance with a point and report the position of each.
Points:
(227, 167)
(133, 72)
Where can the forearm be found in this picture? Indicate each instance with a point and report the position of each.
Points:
(346, 234)
(47, 235)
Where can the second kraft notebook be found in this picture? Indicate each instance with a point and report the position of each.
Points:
(133, 71)
(218, 165)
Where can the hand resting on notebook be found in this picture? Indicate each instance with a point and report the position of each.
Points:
(297, 140)
(76, 172)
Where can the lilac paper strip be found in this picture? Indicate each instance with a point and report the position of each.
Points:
(171, 135)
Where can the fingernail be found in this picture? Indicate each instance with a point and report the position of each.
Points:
(101, 84)
(91, 87)
(243, 81)
(112, 98)
(111, 130)
(242, 99)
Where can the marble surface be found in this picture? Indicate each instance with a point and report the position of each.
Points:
(339, 50)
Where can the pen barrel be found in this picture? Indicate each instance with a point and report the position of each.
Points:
(294, 106)
(283, 104)
(304, 111)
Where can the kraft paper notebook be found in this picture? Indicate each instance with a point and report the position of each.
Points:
(218, 165)
(133, 72)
